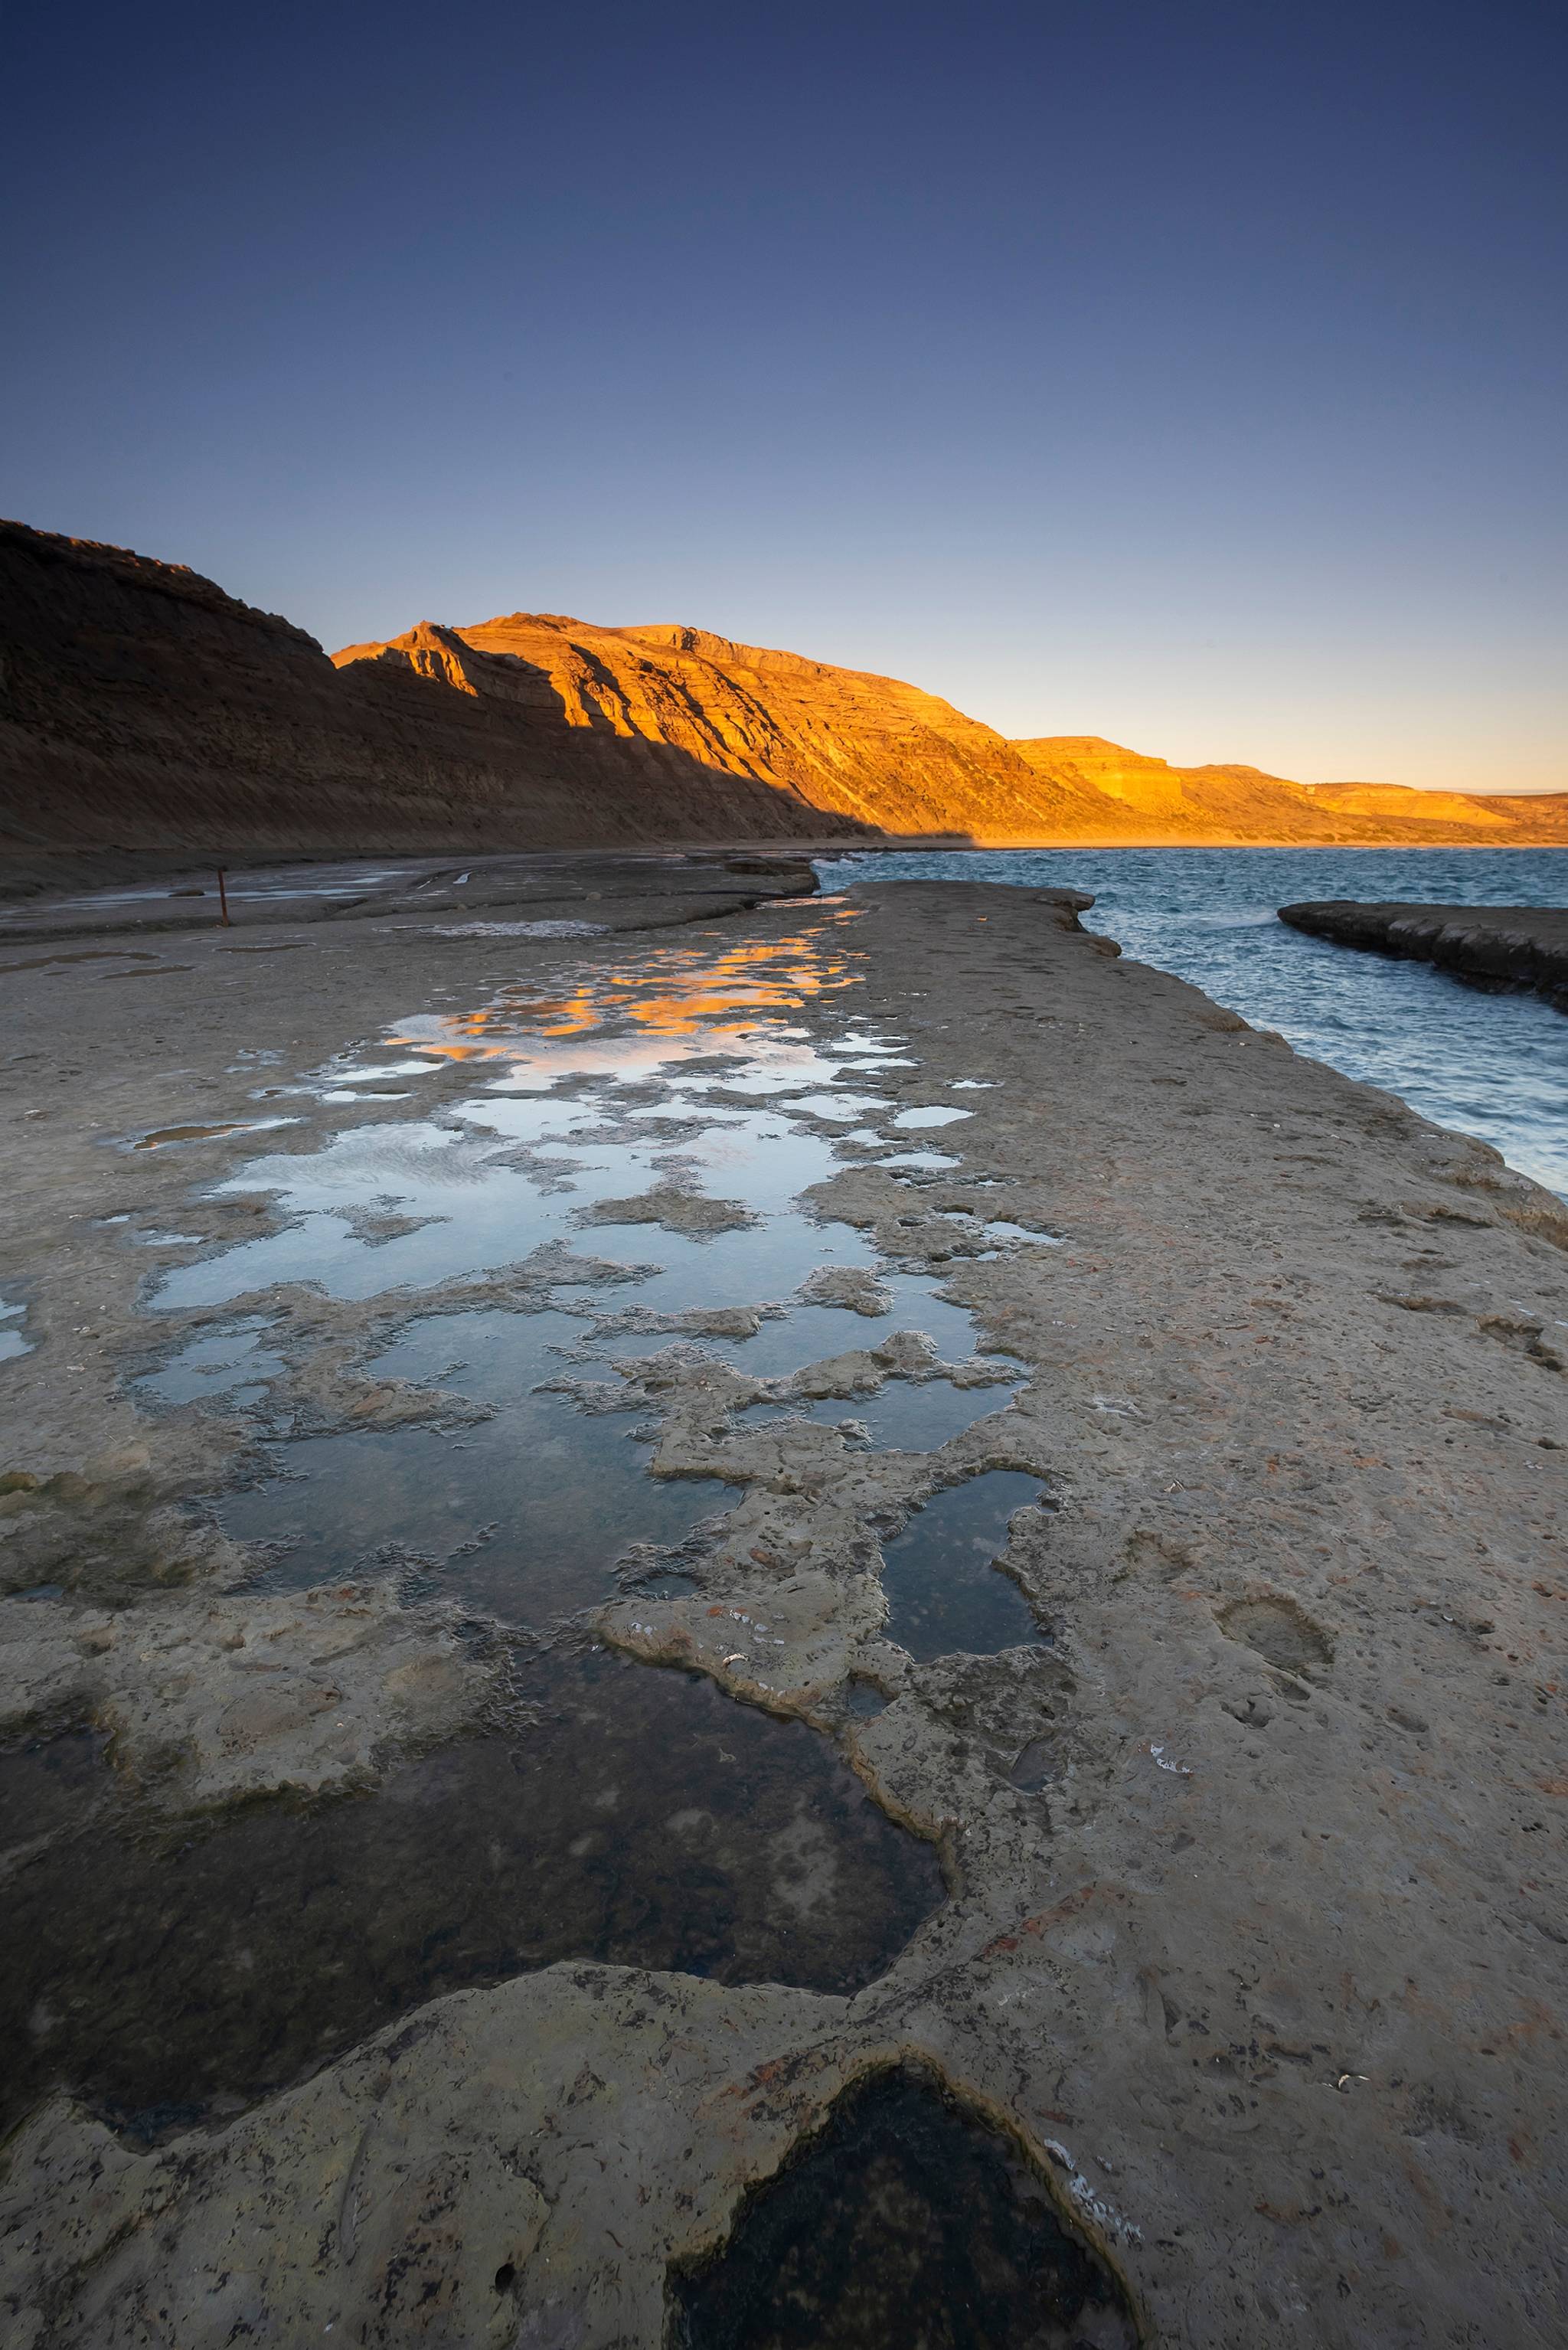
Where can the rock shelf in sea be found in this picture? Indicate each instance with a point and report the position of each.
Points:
(1522, 947)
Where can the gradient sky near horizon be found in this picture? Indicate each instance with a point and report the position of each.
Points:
(1192, 375)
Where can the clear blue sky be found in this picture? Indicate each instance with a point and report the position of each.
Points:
(1188, 374)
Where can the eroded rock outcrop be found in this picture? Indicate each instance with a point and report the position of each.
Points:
(1523, 947)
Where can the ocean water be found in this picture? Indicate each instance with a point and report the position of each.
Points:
(1489, 1064)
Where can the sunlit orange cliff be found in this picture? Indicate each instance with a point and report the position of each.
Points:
(141, 709)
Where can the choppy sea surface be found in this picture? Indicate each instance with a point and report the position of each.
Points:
(1493, 1066)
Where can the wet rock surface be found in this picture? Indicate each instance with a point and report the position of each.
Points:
(1490, 946)
(608, 1814)
(230, 1696)
(1233, 1893)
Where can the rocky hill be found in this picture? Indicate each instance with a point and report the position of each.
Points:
(842, 743)
(1158, 802)
(1501, 817)
(144, 712)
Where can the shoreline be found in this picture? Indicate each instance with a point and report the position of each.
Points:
(1266, 1973)
(27, 877)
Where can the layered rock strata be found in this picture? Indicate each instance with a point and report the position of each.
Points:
(145, 713)
(1155, 803)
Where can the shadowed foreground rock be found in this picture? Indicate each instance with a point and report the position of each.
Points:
(1522, 947)
(1242, 1997)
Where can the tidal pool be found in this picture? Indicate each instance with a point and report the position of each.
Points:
(653, 1207)
(905, 2221)
(12, 1340)
(640, 1136)
(522, 1517)
(946, 1595)
(622, 1813)
(229, 1366)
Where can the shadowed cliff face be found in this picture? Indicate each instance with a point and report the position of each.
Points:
(144, 711)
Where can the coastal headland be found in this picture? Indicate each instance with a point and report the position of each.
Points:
(149, 720)
(1523, 947)
(378, 1969)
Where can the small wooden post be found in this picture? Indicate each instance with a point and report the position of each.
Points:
(223, 898)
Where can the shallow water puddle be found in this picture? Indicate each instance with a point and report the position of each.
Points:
(671, 1003)
(637, 1140)
(11, 1339)
(46, 1782)
(476, 1212)
(927, 1162)
(653, 1208)
(522, 1517)
(930, 1114)
(904, 1415)
(483, 1204)
(946, 1596)
(916, 1307)
(905, 2221)
(229, 1366)
(159, 1138)
(625, 1814)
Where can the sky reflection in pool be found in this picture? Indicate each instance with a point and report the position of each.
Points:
(904, 1415)
(524, 1514)
(945, 1594)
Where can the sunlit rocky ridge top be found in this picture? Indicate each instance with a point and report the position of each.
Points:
(892, 756)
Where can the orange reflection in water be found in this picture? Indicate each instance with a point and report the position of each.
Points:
(669, 992)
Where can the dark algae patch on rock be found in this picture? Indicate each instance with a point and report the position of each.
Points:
(905, 2224)
(627, 1814)
(43, 1783)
